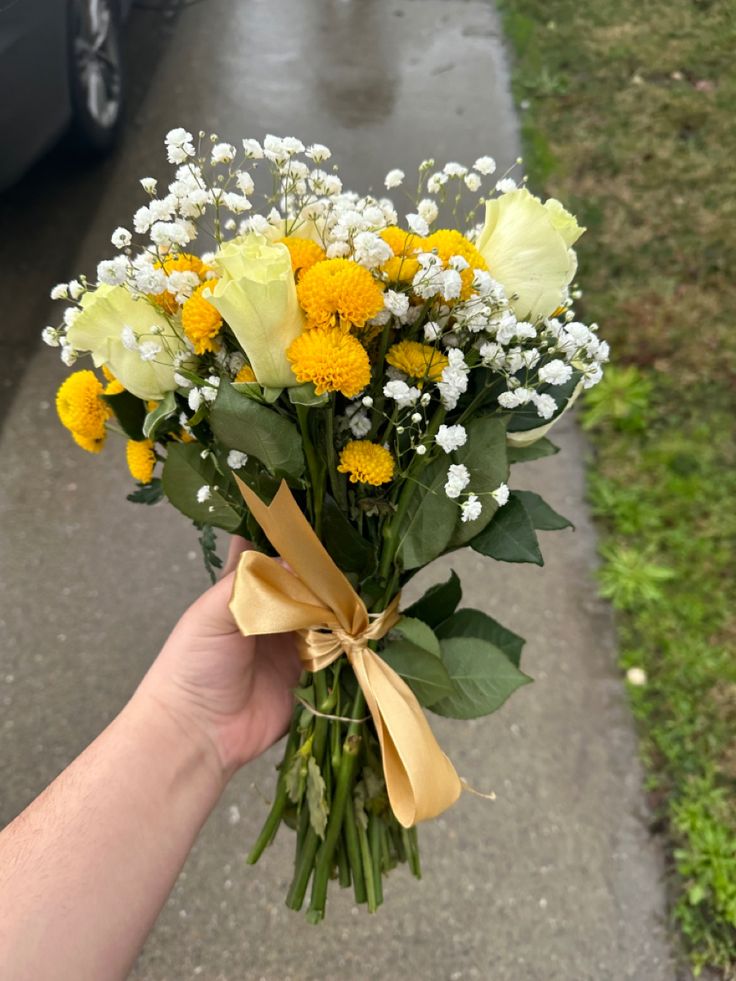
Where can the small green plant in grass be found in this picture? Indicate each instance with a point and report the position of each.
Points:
(707, 864)
(630, 579)
(622, 398)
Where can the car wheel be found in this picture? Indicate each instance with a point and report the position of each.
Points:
(95, 73)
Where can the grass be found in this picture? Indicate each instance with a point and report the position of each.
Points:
(629, 116)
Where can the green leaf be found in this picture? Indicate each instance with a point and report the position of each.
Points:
(430, 520)
(482, 678)
(208, 543)
(418, 633)
(484, 454)
(150, 493)
(526, 417)
(523, 454)
(438, 603)
(542, 516)
(153, 422)
(316, 798)
(184, 473)
(306, 395)
(351, 551)
(423, 672)
(510, 537)
(295, 777)
(475, 623)
(272, 394)
(251, 389)
(239, 423)
(129, 411)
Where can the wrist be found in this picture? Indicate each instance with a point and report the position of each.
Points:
(180, 734)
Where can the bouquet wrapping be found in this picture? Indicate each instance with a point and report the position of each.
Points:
(348, 388)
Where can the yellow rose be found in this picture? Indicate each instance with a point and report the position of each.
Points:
(256, 295)
(112, 326)
(527, 247)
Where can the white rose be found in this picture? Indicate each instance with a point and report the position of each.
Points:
(527, 247)
(256, 295)
(107, 315)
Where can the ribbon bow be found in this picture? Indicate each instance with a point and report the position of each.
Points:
(313, 598)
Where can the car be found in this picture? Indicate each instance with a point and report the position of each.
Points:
(61, 68)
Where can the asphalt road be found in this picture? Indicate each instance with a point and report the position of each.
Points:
(558, 878)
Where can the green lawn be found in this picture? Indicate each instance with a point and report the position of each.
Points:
(629, 116)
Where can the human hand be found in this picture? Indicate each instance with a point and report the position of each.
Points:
(232, 691)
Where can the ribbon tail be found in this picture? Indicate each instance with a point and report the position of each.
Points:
(420, 779)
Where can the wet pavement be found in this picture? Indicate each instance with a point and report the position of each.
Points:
(559, 877)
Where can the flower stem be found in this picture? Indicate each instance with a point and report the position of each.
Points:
(352, 844)
(345, 779)
(374, 840)
(271, 826)
(409, 836)
(391, 528)
(316, 469)
(380, 399)
(308, 840)
(337, 481)
(370, 881)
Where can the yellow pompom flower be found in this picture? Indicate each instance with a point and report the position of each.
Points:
(304, 253)
(141, 459)
(339, 292)
(332, 359)
(90, 445)
(448, 242)
(403, 267)
(419, 361)
(246, 374)
(80, 407)
(201, 320)
(113, 387)
(178, 262)
(366, 462)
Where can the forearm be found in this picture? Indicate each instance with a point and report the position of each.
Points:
(85, 870)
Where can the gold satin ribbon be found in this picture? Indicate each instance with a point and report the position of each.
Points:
(313, 598)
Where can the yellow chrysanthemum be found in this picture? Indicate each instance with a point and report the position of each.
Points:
(246, 374)
(141, 459)
(419, 361)
(201, 320)
(304, 253)
(80, 407)
(332, 359)
(90, 445)
(366, 462)
(179, 262)
(448, 242)
(403, 267)
(113, 387)
(339, 292)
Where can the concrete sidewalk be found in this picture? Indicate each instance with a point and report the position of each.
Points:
(558, 879)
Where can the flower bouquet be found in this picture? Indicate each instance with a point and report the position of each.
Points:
(347, 389)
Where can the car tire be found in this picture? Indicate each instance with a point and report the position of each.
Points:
(96, 75)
